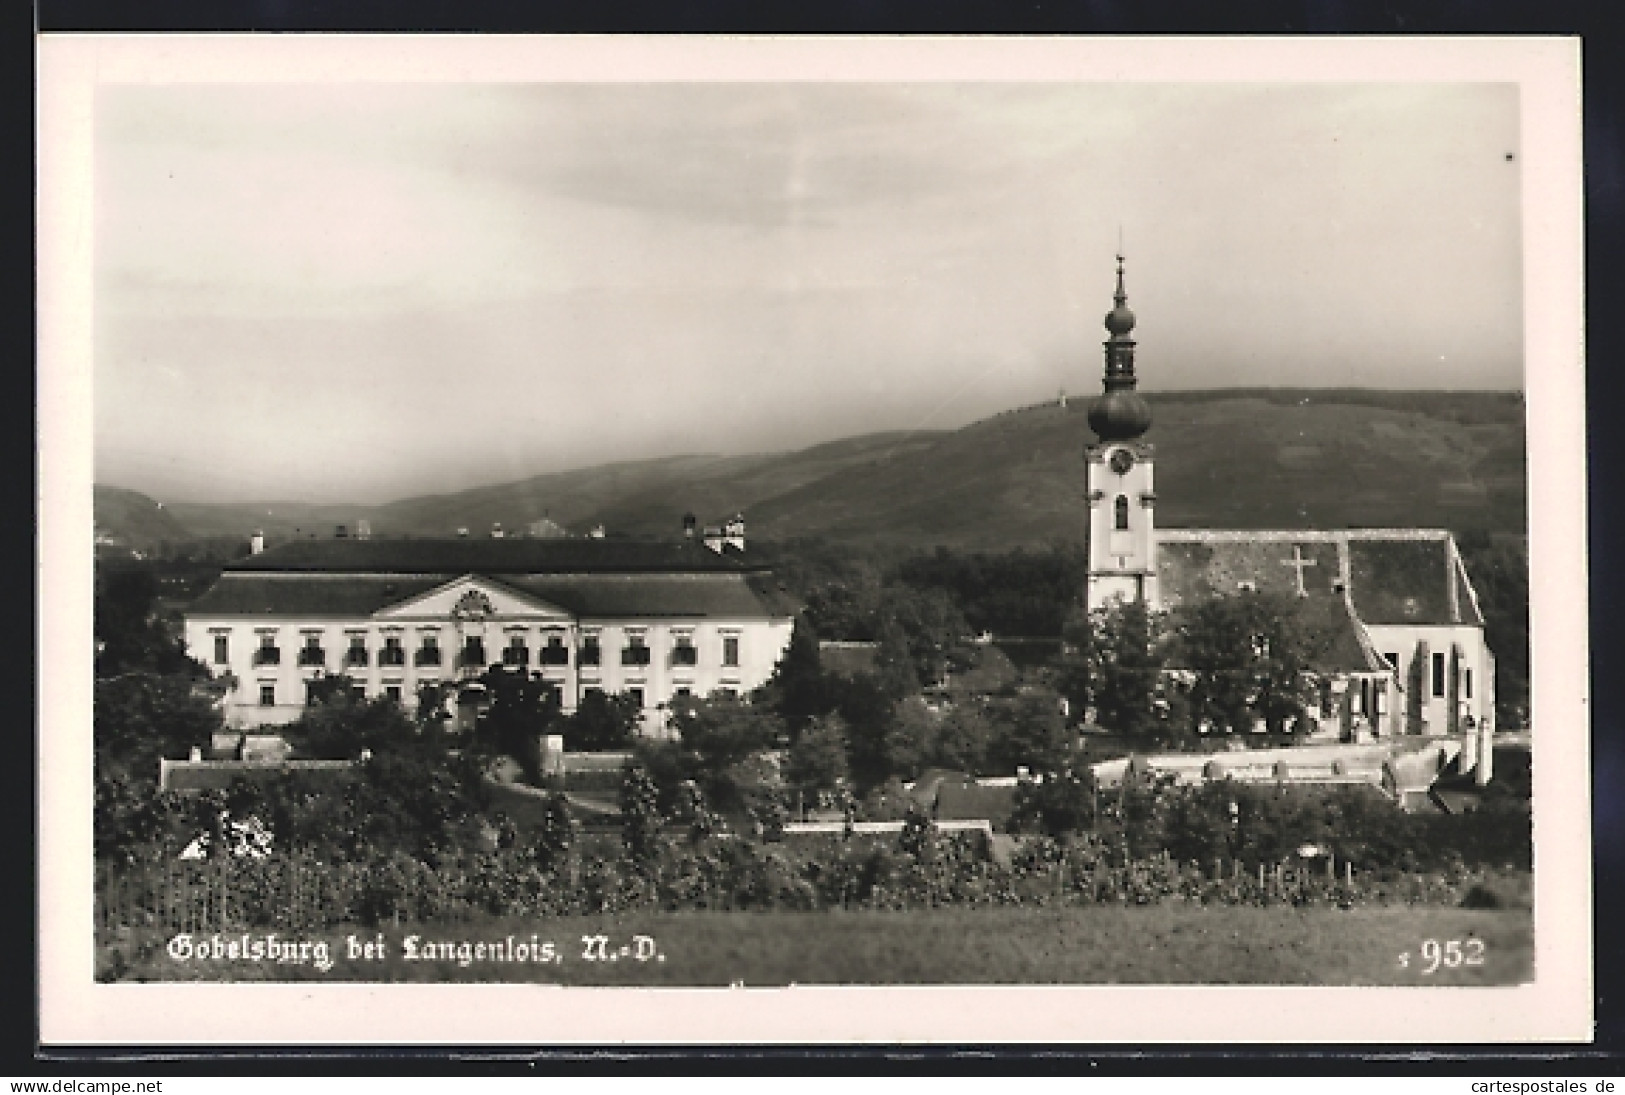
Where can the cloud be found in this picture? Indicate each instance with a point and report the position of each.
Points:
(754, 155)
(385, 285)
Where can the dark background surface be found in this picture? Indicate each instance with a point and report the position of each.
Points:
(1604, 72)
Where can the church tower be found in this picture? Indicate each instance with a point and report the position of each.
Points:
(1122, 543)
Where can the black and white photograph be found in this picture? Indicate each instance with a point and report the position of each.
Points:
(812, 541)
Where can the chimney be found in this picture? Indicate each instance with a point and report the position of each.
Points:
(256, 542)
(688, 525)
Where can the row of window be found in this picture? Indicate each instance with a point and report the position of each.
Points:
(1437, 675)
(393, 691)
(517, 652)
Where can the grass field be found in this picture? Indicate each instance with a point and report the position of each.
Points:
(1167, 944)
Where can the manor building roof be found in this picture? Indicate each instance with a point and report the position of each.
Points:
(497, 556)
(342, 595)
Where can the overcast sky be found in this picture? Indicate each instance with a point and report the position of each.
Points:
(358, 293)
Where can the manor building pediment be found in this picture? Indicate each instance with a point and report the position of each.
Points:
(475, 600)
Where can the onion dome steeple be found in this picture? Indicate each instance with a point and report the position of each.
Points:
(1120, 414)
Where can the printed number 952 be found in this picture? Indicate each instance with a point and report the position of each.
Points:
(1450, 953)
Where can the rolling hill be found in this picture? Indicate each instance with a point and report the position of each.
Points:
(1225, 459)
(1247, 461)
(132, 520)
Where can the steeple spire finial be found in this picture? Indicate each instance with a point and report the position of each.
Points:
(1120, 414)
(1120, 321)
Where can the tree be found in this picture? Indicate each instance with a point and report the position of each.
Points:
(602, 721)
(523, 707)
(926, 624)
(693, 810)
(867, 706)
(910, 738)
(413, 798)
(963, 739)
(918, 835)
(798, 689)
(670, 766)
(885, 801)
(721, 740)
(641, 818)
(722, 731)
(755, 788)
(1252, 656)
(134, 821)
(817, 761)
(895, 670)
(142, 716)
(555, 836)
(1125, 656)
(1058, 804)
(339, 725)
(839, 583)
(431, 715)
(1073, 675)
(1112, 664)
(151, 701)
(1016, 593)
(328, 688)
(131, 634)
(1029, 731)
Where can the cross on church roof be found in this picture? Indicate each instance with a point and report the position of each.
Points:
(1298, 562)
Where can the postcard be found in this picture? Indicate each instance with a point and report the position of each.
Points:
(608, 541)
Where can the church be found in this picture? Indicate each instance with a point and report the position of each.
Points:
(655, 620)
(1408, 655)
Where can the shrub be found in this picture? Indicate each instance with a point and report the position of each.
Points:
(641, 816)
(556, 836)
(601, 721)
(1057, 805)
(735, 873)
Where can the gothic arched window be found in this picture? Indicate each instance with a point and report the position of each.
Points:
(1122, 512)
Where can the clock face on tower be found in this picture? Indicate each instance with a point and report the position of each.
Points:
(1122, 460)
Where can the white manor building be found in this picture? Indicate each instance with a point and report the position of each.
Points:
(655, 620)
(1409, 656)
